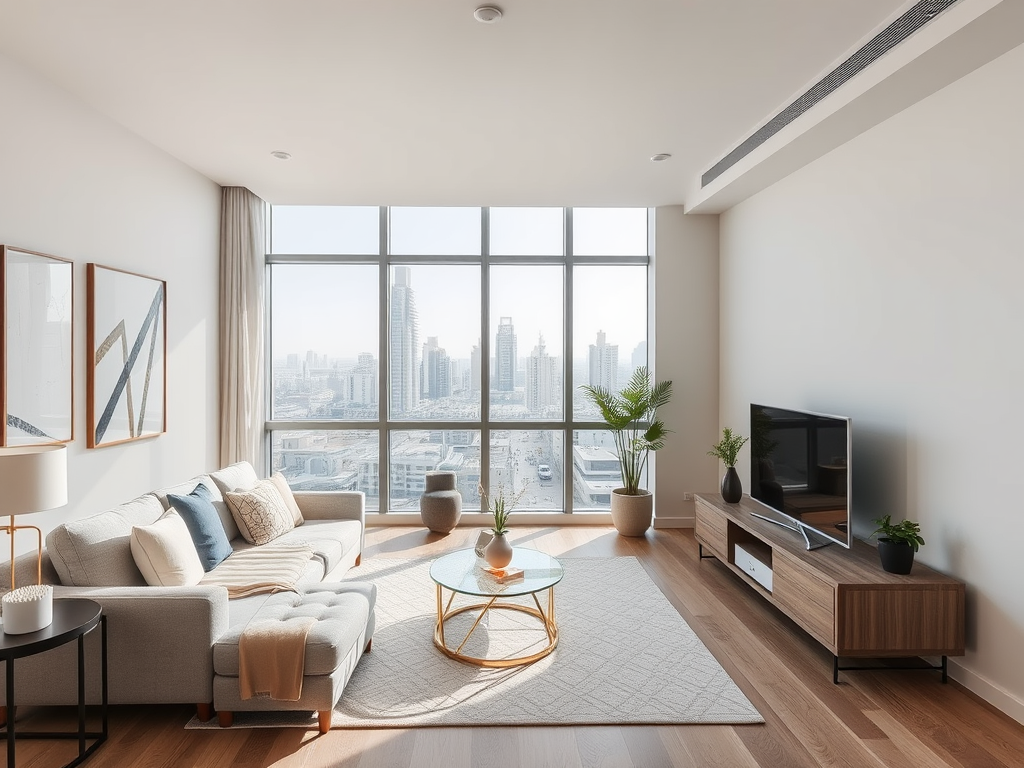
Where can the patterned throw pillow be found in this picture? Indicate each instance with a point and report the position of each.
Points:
(260, 513)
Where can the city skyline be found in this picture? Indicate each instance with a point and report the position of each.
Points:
(309, 316)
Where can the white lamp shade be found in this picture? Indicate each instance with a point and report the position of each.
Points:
(33, 478)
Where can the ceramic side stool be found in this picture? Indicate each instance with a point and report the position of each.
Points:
(441, 503)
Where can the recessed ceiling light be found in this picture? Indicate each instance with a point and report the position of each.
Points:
(280, 155)
(660, 157)
(487, 14)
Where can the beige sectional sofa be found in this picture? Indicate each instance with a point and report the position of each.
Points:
(161, 639)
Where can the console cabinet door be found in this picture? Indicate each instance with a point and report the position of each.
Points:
(808, 600)
(711, 529)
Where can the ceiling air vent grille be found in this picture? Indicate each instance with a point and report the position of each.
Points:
(902, 28)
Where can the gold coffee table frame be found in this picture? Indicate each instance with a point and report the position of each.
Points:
(461, 573)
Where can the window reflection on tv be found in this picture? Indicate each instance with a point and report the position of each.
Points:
(800, 467)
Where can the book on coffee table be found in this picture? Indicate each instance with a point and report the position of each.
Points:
(504, 574)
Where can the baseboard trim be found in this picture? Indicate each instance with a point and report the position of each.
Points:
(674, 522)
(994, 694)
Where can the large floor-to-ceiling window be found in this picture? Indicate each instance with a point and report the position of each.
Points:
(404, 340)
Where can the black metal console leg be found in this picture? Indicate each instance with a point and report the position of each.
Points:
(700, 552)
(835, 670)
(945, 675)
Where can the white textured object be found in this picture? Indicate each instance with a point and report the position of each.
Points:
(624, 655)
(28, 609)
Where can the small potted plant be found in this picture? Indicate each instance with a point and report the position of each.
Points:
(632, 418)
(498, 552)
(727, 449)
(897, 544)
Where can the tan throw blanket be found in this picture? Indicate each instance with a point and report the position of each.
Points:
(271, 657)
(261, 570)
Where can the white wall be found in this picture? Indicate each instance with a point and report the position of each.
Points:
(75, 184)
(686, 352)
(884, 282)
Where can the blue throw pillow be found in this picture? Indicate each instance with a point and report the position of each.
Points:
(204, 525)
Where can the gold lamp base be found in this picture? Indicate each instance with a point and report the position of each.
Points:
(10, 528)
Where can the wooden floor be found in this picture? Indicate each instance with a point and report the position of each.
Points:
(898, 719)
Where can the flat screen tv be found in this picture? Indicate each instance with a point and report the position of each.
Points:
(800, 469)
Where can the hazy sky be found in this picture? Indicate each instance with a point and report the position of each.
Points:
(333, 309)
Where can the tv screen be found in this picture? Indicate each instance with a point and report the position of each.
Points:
(800, 468)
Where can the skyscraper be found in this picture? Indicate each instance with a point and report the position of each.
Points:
(540, 379)
(474, 364)
(404, 337)
(363, 380)
(505, 357)
(639, 355)
(435, 371)
(604, 364)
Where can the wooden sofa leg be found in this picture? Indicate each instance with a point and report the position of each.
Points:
(324, 718)
(225, 719)
(369, 645)
(204, 711)
(359, 558)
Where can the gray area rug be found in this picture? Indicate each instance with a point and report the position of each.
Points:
(624, 656)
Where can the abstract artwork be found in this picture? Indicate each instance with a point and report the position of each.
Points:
(126, 325)
(37, 311)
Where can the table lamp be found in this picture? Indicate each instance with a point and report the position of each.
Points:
(33, 478)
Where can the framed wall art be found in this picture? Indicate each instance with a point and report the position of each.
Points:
(36, 348)
(126, 329)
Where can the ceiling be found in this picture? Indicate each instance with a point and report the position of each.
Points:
(413, 102)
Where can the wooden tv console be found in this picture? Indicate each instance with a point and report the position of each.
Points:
(841, 597)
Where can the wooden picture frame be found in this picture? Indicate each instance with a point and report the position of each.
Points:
(126, 329)
(37, 313)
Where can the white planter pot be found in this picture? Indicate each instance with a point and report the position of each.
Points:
(632, 515)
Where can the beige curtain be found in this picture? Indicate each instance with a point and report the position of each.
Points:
(242, 279)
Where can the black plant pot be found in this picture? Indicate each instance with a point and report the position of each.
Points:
(896, 556)
(732, 488)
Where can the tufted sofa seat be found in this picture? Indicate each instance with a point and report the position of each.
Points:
(342, 633)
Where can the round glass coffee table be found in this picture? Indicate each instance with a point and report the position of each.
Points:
(462, 573)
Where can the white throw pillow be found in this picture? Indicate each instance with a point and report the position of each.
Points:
(165, 552)
(260, 513)
(289, 499)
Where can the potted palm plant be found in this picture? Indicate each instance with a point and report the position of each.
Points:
(897, 544)
(632, 417)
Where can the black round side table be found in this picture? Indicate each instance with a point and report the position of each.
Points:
(72, 618)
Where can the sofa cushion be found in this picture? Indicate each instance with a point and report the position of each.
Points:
(286, 495)
(239, 476)
(165, 553)
(342, 611)
(95, 551)
(331, 539)
(204, 525)
(236, 477)
(260, 513)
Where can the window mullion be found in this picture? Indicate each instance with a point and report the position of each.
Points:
(485, 350)
(567, 367)
(383, 366)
